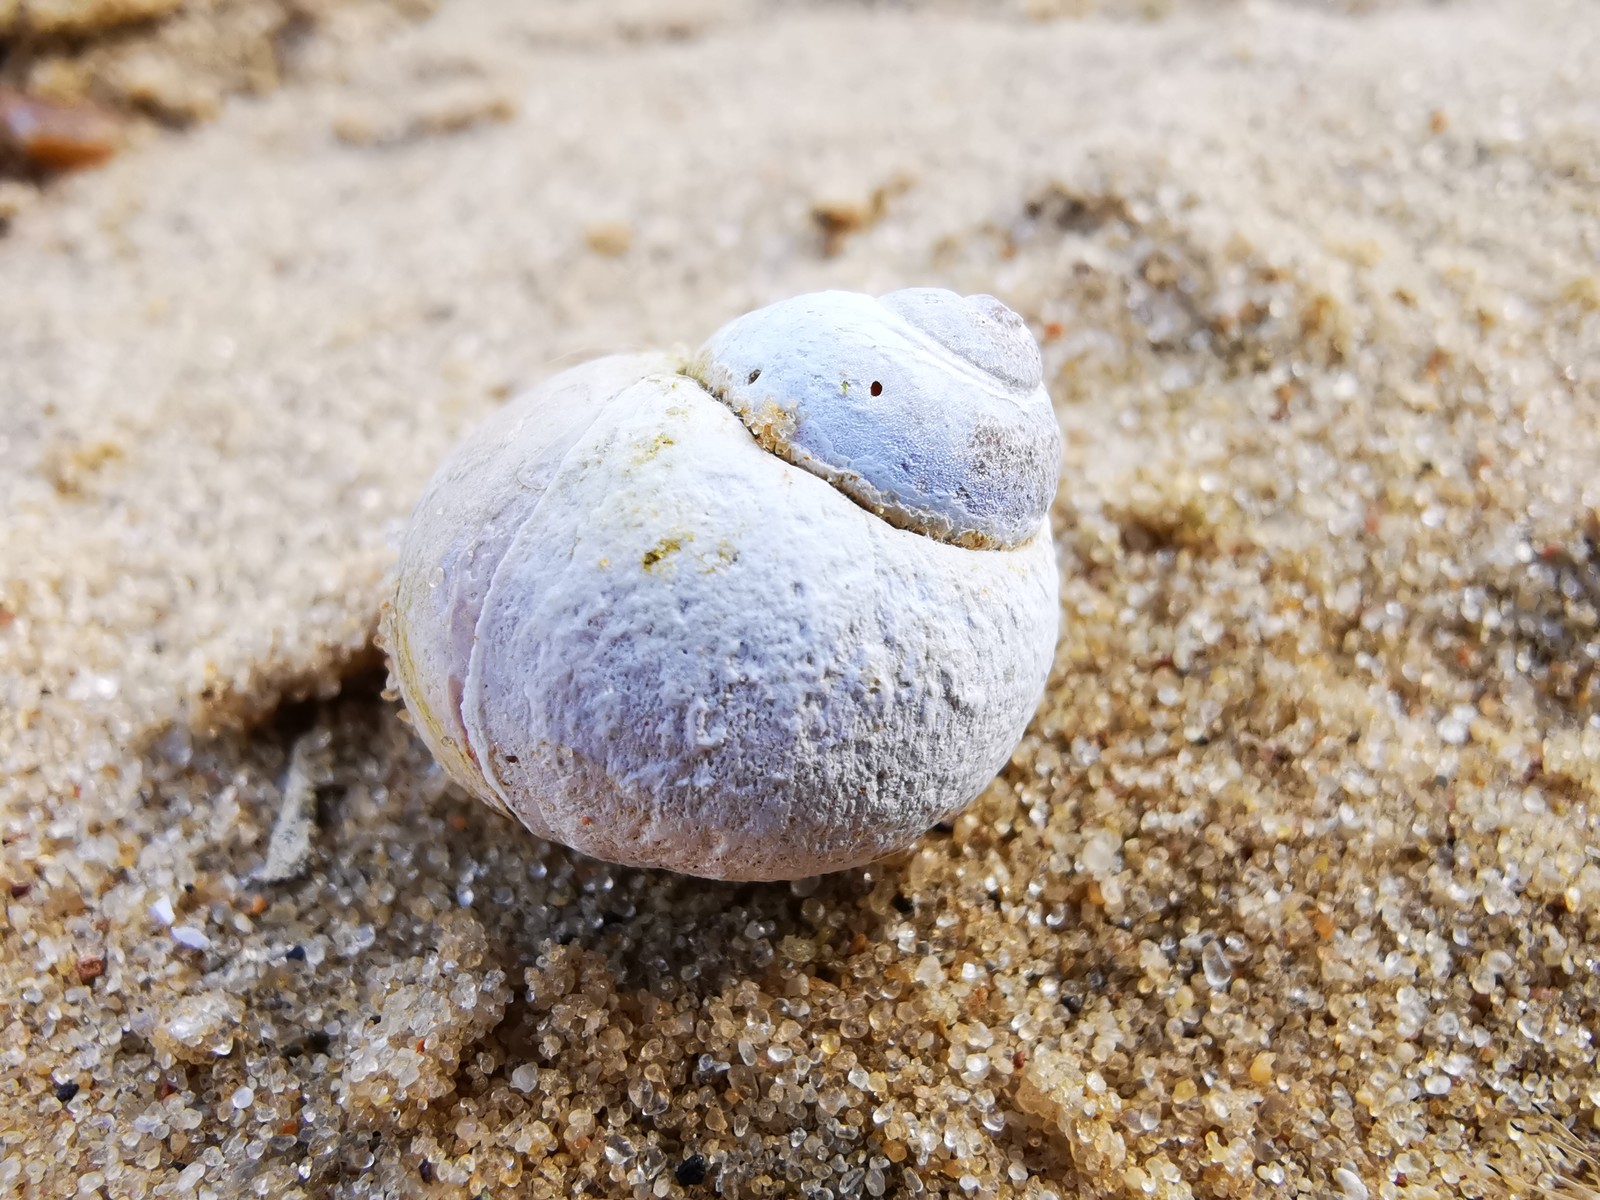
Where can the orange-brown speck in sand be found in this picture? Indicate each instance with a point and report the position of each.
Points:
(56, 137)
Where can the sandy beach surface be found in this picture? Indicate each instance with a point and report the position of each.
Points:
(1293, 887)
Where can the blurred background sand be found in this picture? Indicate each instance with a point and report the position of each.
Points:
(1293, 887)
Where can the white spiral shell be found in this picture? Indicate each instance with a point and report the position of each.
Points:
(749, 616)
(923, 406)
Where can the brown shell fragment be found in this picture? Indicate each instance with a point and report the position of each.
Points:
(53, 136)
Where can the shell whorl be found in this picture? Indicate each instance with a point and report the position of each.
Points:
(923, 406)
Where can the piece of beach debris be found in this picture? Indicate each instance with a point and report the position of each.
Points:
(837, 217)
(289, 849)
(53, 136)
(438, 112)
(610, 238)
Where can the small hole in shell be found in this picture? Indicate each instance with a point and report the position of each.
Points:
(877, 388)
(754, 375)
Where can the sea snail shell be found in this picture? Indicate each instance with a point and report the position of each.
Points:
(766, 612)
